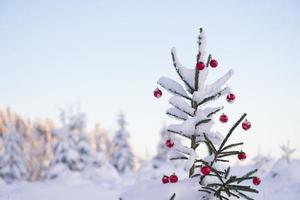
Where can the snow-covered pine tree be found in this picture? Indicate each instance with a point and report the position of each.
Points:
(66, 156)
(287, 151)
(77, 124)
(122, 157)
(12, 163)
(87, 157)
(191, 107)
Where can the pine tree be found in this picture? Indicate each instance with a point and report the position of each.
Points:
(122, 157)
(191, 107)
(287, 151)
(77, 124)
(66, 156)
(12, 163)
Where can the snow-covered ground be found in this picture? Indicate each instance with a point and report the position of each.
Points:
(282, 181)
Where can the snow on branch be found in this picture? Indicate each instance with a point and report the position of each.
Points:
(178, 114)
(176, 129)
(219, 83)
(210, 90)
(186, 75)
(203, 121)
(173, 87)
(180, 104)
(189, 151)
(201, 45)
(212, 110)
(202, 77)
(190, 126)
(202, 99)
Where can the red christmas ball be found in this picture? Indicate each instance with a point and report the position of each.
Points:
(230, 97)
(256, 181)
(242, 155)
(246, 125)
(165, 179)
(213, 63)
(173, 178)
(157, 93)
(200, 65)
(169, 143)
(205, 170)
(223, 118)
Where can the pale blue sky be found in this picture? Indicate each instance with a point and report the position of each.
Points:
(109, 54)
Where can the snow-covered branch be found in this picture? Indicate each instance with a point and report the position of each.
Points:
(204, 98)
(186, 75)
(216, 86)
(178, 114)
(173, 87)
(189, 151)
(174, 128)
(181, 105)
(212, 111)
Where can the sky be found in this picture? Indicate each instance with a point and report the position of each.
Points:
(108, 55)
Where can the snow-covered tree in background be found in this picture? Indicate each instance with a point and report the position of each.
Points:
(87, 156)
(12, 163)
(49, 151)
(190, 105)
(66, 156)
(122, 157)
(287, 152)
(77, 125)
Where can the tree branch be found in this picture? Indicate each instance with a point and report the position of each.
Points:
(176, 116)
(214, 112)
(212, 97)
(231, 130)
(179, 74)
(178, 133)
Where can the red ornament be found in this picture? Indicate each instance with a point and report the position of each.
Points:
(256, 181)
(157, 93)
(205, 170)
(173, 178)
(165, 179)
(230, 97)
(169, 143)
(242, 155)
(246, 125)
(213, 63)
(223, 118)
(200, 65)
